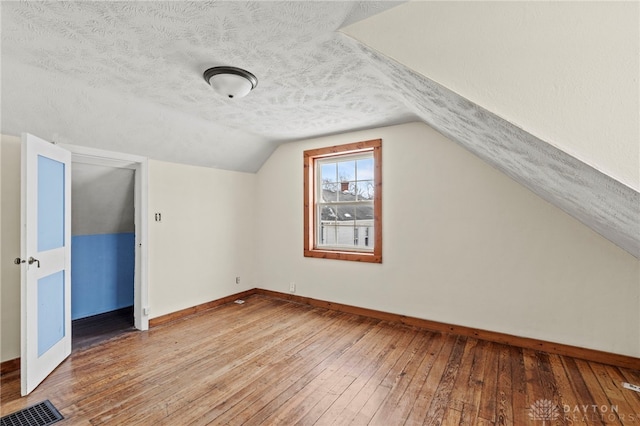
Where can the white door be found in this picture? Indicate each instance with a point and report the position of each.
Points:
(46, 257)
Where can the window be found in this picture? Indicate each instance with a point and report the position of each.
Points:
(343, 202)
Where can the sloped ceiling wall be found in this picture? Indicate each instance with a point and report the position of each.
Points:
(102, 200)
(566, 72)
(604, 204)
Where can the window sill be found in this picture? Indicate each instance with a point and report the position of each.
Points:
(344, 255)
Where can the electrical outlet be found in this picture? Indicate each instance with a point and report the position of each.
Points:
(292, 287)
(237, 280)
(632, 387)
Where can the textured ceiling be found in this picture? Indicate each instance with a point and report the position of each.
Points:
(148, 58)
(127, 76)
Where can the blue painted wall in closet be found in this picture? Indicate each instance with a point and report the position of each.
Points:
(102, 273)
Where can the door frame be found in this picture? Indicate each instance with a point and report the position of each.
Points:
(139, 164)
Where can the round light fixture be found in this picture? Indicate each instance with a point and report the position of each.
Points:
(230, 82)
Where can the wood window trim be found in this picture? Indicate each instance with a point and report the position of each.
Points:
(309, 156)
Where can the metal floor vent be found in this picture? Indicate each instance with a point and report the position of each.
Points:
(41, 414)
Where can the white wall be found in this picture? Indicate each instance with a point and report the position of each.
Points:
(206, 238)
(566, 72)
(482, 251)
(10, 248)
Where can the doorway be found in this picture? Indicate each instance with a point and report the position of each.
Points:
(109, 250)
(102, 252)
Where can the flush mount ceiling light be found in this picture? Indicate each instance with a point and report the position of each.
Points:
(231, 82)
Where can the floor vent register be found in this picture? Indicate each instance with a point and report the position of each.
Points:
(41, 414)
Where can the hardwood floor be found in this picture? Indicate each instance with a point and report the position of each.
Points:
(98, 328)
(270, 361)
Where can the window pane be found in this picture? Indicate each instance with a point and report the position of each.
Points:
(347, 171)
(327, 212)
(328, 172)
(324, 233)
(364, 236)
(50, 204)
(50, 311)
(329, 191)
(364, 212)
(327, 233)
(345, 235)
(365, 190)
(365, 169)
(346, 214)
(347, 192)
(369, 237)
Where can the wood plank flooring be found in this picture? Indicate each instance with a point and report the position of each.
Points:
(98, 328)
(270, 361)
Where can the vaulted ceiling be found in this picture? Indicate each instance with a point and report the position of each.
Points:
(127, 76)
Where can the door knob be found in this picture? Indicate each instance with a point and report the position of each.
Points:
(32, 260)
(18, 261)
